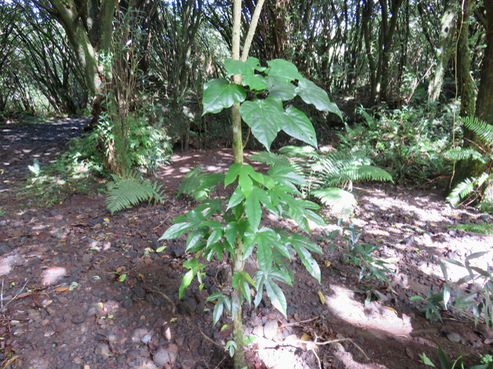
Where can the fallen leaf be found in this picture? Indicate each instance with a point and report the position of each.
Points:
(322, 297)
(305, 337)
(61, 289)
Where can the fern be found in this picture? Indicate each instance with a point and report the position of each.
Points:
(481, 128)
(467, 187)
(325, 173)
(341, 202)
(270, 158)
(460, 153)
(199, 185)
(484, 228)
(130, 189)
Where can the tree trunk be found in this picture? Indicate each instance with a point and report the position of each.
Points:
(467, 87)
(484, 111)
(446, 47)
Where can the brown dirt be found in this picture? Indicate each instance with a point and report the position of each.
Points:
(140, 322)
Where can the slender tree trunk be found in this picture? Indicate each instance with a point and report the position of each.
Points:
(484, 111)
(467, 87)
(443, 55)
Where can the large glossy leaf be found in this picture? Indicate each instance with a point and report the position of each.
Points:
(276, 295)
(264, 118)
(236, 198)
(255, 82)
(177, 230)
(310, 263)
(280, 90)
(264, 252)
(220, 94)
(284, 70)
(312, 94)
(253, 209)
(195, 236)
(259, 282)
(222, 302)
(299, 126)
(240, 67)
(245, 173)
(215, 236)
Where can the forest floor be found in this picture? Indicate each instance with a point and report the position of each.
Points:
(62, 304)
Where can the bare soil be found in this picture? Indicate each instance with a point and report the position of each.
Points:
(64, 303)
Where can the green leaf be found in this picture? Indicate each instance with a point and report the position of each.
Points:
(122, 278)
(310, 263)
(264, 240)
(426, 360)
(195, 236)
(185, 282)
(276, 295)
(263, 117)
(416, 298)
(255, 82)
(476, 255)
(253, 210)
(312, 94)
(220, 94)
(245, 174)
(240, 67)
(215, 236)
(299, 126)
(280, 90)
(177, 230)
(443, 359)
(284, 70)
(236, 198)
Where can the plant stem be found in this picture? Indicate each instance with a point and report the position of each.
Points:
(238, 264)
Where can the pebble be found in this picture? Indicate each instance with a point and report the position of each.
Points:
(127, 303)
(78, 319)
(139, 292)
(270, 329)
(72, 366)
(454, 337)
(4, 249)
(188, 306)
(164, 358)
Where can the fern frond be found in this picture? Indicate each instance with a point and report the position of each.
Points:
(481, 128)
(341, 202)
(130, 190)
(484, 228)
(460, 191)
(464, 154)
(366, 173)
(271, 159)
(199, 185)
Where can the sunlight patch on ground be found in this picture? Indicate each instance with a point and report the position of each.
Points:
(278, 356)
(380, 321)
(53, 275)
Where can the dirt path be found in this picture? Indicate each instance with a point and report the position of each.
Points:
(64, 303)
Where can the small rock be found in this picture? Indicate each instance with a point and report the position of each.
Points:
(258, 331)
(146, 338)
(86, 258)
(120, 297)
(337, 347)
(34, 315)
(103, 350)
(270, 329)
(454, 337)
(139, 292)
(188, 306)
(4, 249)
(211, 272)
(78, 319)
(127, 303)
(139, 334)
(163, 358)
(177, 251)
(485, 217)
